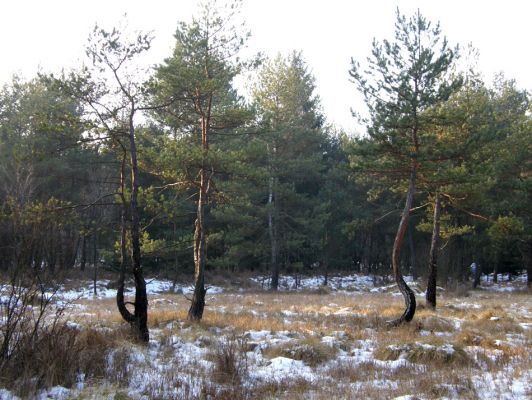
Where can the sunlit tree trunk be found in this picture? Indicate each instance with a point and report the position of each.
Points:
(408, 294)
(195, 312)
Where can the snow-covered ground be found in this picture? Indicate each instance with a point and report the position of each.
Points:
(378, 284)
(104, 289)
(289, 350)
(344, 283)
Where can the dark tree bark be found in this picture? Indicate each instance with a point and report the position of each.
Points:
(326, 250)
(141, 298)
(529, 264)
(124, 259)
(476, 276)
(408, 294)
(139, 318)
(110, 53)
(433, 256)
(95, 260)
(195, 312)
(412, 251)
(83, 260)
(496, 270)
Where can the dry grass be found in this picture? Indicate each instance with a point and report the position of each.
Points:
(443, 349)
(310, 350)
(425, 354)
(57, 356)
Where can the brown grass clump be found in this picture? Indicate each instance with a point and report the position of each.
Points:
(469, 338)
(353, 372)
(424, 354)
(310, 350)
(437, 324)
(494, 312)
(495, 328)
(230, 360)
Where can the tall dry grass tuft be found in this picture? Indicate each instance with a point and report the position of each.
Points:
(230, 361)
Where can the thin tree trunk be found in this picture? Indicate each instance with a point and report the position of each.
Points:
(124, 259)
(272, 230)
(496, 270)
(83, 260)
(141, 298)
(408, 294)
(95, 261)
(176, 272)
(195, 312)
(326, 259)
(412, 251)
(475, 273)
(433, 257)
(529, 264)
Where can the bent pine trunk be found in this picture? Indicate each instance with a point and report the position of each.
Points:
(120, 301)
(408, 294)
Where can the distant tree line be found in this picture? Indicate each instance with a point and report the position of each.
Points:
(173, 171)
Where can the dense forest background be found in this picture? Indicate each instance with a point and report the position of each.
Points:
(171, 172)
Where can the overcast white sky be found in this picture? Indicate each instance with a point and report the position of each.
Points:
(51, 34)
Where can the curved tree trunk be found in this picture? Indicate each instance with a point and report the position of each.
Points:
(120, 302)
(433, 257)
(408, 294)
(139, 318)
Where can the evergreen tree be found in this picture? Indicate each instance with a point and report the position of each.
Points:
(196, 81)
(40, 128)
(293, 139)
(404, 78)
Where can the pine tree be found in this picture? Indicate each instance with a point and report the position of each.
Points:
(404, 78)
(196, 82)
(293, 140)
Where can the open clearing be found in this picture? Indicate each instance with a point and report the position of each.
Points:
(309, 343)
